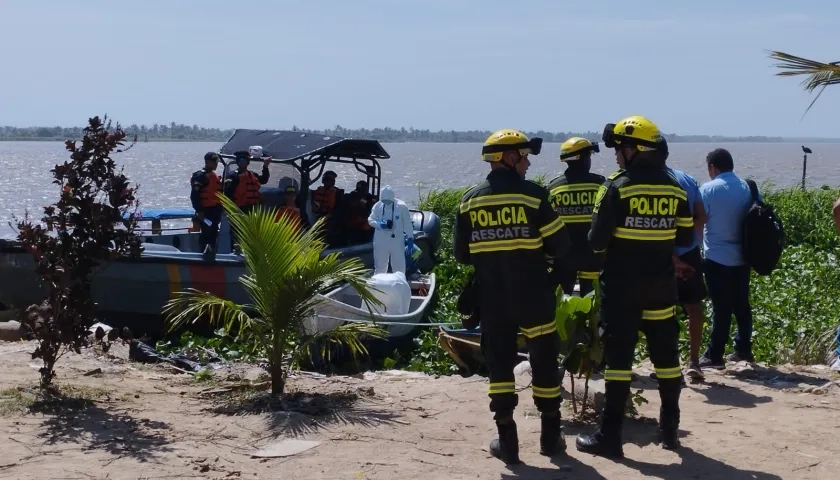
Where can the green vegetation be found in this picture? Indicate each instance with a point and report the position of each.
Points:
(285, 270)
(186, 133)
(796, 309)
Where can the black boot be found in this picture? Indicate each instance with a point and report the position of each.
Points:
(506, 447)
(606, 441)
(601, 444)
(669, 413)
(551, 436)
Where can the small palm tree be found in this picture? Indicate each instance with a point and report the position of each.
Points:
(819, 74)
(285, 274)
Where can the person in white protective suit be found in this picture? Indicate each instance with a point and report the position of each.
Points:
(393, 229)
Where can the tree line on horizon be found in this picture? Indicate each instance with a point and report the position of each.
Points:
(186, 133)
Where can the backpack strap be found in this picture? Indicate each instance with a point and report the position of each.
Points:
(753, 189)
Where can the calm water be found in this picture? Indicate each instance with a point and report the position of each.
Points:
(163, 169)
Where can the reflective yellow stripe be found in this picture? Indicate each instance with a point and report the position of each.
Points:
(617, 375)
(588, 275)
(552, 228)
(506, 245)
(553, 392)
(640, 234)
(664, 373)
(174, 274)
(662, 314)
(600, 251)
(502, 387)
(577, 218)
(501, 199)
(633, 190)
(574, 187)
(544, 329)
(685, 222)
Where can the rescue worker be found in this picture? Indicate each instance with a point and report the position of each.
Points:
(326, 197)
(572, 195)
(393, 230)
(358, 205)
(505, 228)
(243, 186)
(289, 208)
(640, 214)
(206, 185)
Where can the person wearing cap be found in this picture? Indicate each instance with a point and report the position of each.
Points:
(289, 208)
(205, 187)
(243, 186)
(326, 197)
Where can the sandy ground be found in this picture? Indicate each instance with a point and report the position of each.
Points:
(150, 422)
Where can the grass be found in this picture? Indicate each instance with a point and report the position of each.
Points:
(32, 399)
(796, 309)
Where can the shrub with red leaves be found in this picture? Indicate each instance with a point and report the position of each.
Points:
(86, 228)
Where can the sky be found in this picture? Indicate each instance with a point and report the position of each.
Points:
(571, 65)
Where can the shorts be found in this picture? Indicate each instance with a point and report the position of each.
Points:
(692, 290)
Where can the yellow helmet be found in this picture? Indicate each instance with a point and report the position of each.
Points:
(575, 147)
(507, 140)
(637, 131)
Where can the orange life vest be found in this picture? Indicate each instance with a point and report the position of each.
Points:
(291, 212)
(247, 190)
(208, 193)
(323, 200)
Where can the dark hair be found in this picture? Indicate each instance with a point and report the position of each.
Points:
(721, 159)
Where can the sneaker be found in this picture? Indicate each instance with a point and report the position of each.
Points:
(740, 357)
(706, 362)
(693, 371)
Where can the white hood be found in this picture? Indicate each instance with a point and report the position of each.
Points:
(387, 194)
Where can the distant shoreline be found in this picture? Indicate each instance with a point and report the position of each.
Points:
(673, 140)
(174, 132)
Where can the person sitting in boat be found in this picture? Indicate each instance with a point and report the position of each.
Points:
(391, 220)
(289, 208)
(243, 187)
(326, 197)
(358, 205)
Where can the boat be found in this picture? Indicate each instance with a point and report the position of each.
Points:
(132, 292)
(344, 304)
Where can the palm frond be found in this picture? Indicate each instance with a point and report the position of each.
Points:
(350, 335)
(819, 75)
(190, 305)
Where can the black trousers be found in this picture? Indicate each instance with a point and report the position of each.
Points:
(621, 323)
(209, 233)
(499, 348)
(566, 278)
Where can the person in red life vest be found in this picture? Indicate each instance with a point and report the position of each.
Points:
(358, 204)
(326, 197)
(289, 208)
(206, 186)
(243, 186)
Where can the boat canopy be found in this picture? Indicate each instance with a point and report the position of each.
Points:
(308, 153)
(289, 146)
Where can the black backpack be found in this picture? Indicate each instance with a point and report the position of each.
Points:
(763, 236)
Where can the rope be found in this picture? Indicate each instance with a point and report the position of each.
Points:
(427, 324)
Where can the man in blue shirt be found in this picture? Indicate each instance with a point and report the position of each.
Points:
(727, 199)
(688, 265)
